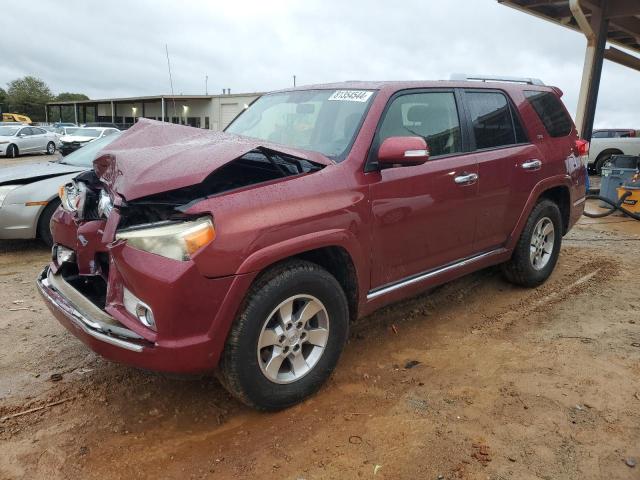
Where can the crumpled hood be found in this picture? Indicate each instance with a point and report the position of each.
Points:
(76, 138)
(153, 157)
(32, 172)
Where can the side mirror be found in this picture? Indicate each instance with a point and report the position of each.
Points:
(403, 151)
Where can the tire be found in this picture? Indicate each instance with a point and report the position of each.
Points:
(44, 228)
(51, 148)
(12, 151)
(245, 370)
(526, 268)
(601, 160)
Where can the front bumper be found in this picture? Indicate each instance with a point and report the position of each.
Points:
(18, 221)
(67, 148)
(82, 318)
(193, 313)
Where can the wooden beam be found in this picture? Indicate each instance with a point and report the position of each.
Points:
(622, 8)
(622, 58)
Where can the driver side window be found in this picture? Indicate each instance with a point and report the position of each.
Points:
(432, 116)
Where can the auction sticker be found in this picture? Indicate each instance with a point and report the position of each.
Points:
(351, 95)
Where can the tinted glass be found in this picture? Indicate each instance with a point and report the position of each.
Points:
(548, 107)
(432, 116)
(492, 121)
(600, 134)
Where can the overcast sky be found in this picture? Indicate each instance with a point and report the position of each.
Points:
(117, 48)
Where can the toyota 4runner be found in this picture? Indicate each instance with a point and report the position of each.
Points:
(250, 251)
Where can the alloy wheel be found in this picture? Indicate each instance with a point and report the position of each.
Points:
(293, 339)
(542, 241)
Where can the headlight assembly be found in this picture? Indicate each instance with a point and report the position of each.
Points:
(4, 191)
(70, 196)
(178, 240)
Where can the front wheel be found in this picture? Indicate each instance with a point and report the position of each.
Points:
(51, 148)
(44, 222)
(12, 151)
(287, 338)
(537, 250)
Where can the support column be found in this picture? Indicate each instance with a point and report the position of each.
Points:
(162, 107)
(595, 30)
(75, 113)
(113, 113)
(46, 113)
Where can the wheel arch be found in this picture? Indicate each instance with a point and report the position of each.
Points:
(557, 189)
(609, 151)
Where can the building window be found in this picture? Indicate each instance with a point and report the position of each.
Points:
(206, 123)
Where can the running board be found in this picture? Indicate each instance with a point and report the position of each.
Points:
(420, 277)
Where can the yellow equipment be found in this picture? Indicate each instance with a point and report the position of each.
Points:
(15, 117)
(632, 202)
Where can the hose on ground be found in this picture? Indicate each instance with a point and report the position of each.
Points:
(614, 206)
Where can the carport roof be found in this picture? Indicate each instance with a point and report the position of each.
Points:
(623, 16)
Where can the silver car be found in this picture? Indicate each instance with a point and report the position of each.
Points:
(22, 139)
(29, 193)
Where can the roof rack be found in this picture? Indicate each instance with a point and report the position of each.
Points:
(494, 78)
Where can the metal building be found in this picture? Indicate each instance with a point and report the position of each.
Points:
(616, 22)
(213, 112)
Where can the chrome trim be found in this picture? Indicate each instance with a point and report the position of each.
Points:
(88, 325)
(533, 164)
(468, 178)
(578, 202)
(377, 292)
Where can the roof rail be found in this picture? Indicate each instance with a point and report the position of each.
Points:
(494, 78)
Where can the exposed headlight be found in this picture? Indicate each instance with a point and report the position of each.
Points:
(69, 196)
(175, 240)
(105, 204)
(4, 191)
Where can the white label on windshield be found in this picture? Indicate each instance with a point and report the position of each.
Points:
(351, 95)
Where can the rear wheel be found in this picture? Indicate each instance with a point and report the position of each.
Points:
(12, 151)
(601, 161)
(44, 222)
(51, 148)
(288, 337)
(537, 250)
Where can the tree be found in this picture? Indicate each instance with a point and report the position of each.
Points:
(28, 96)
(3, 100)
(70, 97)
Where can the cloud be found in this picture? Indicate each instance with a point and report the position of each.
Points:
(116, 48)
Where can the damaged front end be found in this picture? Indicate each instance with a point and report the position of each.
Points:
(124, 244)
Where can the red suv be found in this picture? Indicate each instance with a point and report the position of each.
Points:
(250, 251)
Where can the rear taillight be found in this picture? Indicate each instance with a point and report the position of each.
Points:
(582, 148)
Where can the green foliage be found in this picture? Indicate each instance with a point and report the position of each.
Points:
(3, 100)
(70, 97)
(28, 96)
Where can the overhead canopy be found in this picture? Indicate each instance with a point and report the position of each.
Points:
(623, 16)
(616, 22)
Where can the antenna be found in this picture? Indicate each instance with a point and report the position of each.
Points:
(166, 47)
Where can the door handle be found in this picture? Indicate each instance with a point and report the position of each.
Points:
(466, 178)
(532, 164)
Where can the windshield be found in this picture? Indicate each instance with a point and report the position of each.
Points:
(85, 156)
(8, 131)
(83, 132)
(323, 121)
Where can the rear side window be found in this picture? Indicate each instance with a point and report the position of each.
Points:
(494, 122)
(548, 107)
(432, 116)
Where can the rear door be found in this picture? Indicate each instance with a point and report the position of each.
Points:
(509, 166)
(423, 216)
(40, 139)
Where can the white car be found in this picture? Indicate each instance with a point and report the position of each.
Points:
(77, 137)
(23, 139)
(602, 149)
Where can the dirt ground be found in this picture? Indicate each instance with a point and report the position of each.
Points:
(476, 380)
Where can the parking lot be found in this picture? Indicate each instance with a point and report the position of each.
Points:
(477, 379)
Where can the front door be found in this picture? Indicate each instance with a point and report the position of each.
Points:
(423, 216)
